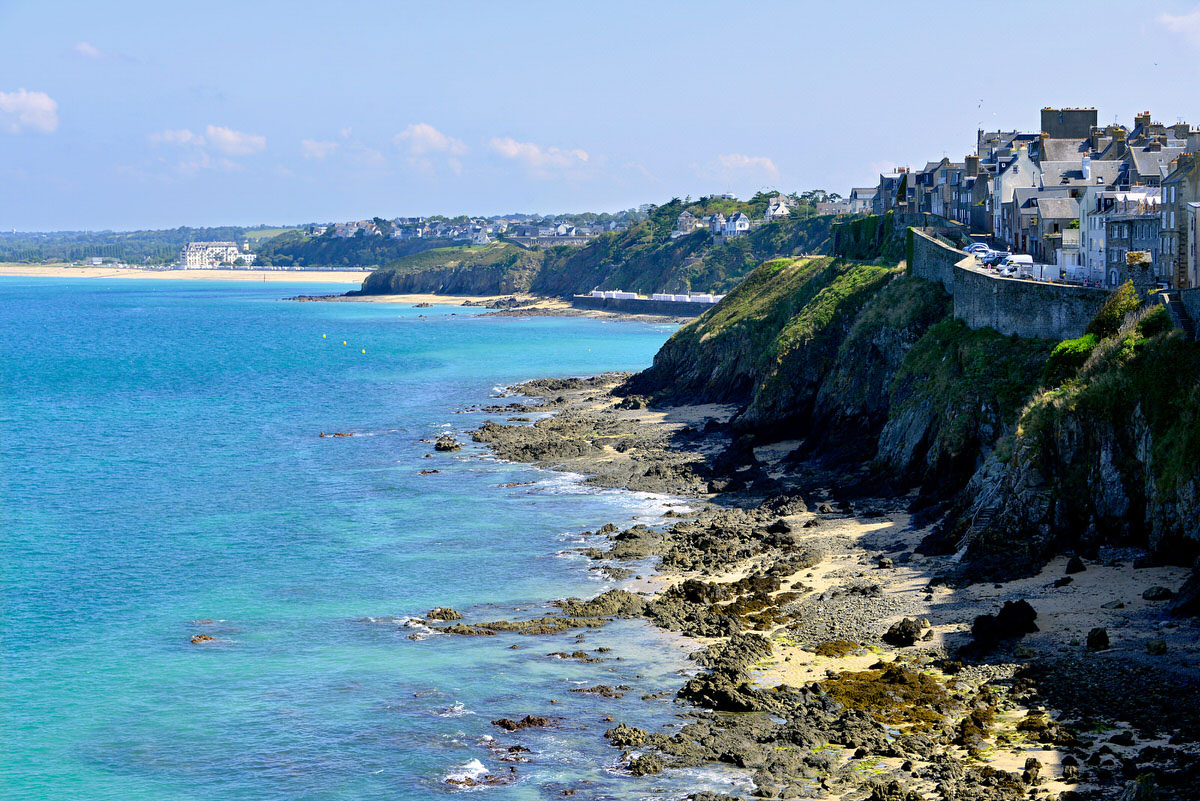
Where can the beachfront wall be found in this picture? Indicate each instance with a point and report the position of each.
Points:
(672, 308)
(1009, 305)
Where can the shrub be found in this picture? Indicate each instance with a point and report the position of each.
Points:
(1108, 320)
(1066, 359)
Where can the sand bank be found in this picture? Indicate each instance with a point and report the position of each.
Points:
(354, 277)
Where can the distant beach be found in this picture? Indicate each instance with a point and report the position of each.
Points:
(11, 270)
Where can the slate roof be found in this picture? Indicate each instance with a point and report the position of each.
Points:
(1058, 208)
(1070, 173)
(1154, 162)
(1064, 149)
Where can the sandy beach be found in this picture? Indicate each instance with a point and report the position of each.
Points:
(796, 602)
(355, 277)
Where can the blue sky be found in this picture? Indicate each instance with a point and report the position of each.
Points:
(138, 115)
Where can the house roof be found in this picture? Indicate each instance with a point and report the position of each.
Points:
(1065, 149)
(1070, 173)
(1058, 208)
(863, 192)
(1153, 162)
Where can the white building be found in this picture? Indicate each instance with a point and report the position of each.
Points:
(210, 255)
(736, 225)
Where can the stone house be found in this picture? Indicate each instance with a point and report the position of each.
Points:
(861, 199)
(1132, 225)
(1180, 188)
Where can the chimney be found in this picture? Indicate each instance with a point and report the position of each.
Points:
(1087, 168)
(972, 163)
(1193, 140)
(1120, 142)
(1141, 120)
(1097, 134)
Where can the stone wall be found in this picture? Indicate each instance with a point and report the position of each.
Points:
(670, 308)
(1025, 308)
(1009, 305)
(1191, 302)
(932, 260)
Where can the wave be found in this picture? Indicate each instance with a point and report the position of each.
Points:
(455, 710)
(471, 771)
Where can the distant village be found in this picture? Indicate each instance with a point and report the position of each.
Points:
(526, 232)
(1075, 194)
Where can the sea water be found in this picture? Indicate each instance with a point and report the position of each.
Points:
(163, 477)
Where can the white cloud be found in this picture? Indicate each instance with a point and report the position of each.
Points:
(422, 139)
(180, 136)
(22, 109)
(538, 158)
(314, 149)
(234, 143)
(739, 162)
(1185, 25)
(88, 50)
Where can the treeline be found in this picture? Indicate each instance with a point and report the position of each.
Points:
(295, 249)
(132, 247)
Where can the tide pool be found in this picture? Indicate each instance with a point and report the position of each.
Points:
(163, 476)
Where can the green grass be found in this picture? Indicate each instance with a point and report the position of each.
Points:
(257, 234)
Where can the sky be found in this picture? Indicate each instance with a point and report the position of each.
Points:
(131, 115)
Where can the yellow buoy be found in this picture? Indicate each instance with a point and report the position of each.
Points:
(364, 350)
(324, 336)
(343, 342)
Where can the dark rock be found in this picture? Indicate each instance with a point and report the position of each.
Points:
(1075, 565)
(1156, 647)
(527, 722)
(903, 634)
(1187, 601)
(447, 442)
(1015, 618)
(647, 765)
(443, 613)
(1097, 639)
(892, 791)
(626, 736)
(1143, 788)
(885, 563)
(1157, 593)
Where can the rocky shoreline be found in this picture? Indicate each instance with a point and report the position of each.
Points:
(836, 660)
(498, 306)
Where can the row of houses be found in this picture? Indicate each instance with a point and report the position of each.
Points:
(719, 225)
(477, 231)
(1075, 194)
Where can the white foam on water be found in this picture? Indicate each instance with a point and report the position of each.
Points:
(474, 770)
(455, 710)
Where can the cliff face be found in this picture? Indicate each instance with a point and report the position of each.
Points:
(1111, 456)
(495, 270)
(643, 259)
(1030, 451)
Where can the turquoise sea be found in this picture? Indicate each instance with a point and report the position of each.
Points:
(161, 476)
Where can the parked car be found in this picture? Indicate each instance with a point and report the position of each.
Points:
(976, 248)
(993, 257)
(1017, 260)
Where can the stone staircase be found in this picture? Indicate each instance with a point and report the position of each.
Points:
(1178, 312)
